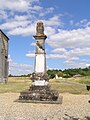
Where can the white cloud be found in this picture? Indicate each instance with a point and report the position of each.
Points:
(70, 39)
(46, 11)
(55, 56)
(25, 6)
(83, 23)
(70, 55)
(76, 64)
(78, 52)
(87, 65)
(9, 58)
(18, 23)
(21, 17)
(30, 30)
(36, 8)
(33, 44)
(3, 15)
(14, 24)
(30, 55)
(19, 69)
(15, 5)
(62, 56)
(59, 50)
(49, 31)
(54, 21)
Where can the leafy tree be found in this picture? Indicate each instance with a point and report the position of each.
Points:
(60, 74)
(53, 72)
(10, 75)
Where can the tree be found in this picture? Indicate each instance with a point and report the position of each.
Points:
(10, 75)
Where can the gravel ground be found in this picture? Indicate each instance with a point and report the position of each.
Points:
(74, 107)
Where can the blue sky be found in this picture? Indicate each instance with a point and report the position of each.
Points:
(67, 26)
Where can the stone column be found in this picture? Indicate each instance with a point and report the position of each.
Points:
(40, 78)
(40, 55)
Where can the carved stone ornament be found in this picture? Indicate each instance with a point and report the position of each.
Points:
(40, 28)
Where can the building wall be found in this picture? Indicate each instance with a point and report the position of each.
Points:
(3, 57)
(0, 57)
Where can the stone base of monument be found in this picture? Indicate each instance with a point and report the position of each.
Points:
(40, 94)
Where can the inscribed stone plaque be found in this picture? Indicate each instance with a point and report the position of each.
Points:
(40, 63)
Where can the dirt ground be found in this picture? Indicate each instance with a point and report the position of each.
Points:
(73, 107)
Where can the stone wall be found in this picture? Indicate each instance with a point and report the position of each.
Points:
(3, 57)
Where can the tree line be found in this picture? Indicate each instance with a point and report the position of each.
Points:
(67, 73)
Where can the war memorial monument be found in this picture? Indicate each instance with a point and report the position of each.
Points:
(40, 90)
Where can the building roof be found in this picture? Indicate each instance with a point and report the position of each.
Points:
(4, 34)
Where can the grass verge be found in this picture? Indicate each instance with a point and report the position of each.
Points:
(18, 84)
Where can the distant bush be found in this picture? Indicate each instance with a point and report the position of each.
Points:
(67, 73)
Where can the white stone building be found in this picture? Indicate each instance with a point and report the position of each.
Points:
(3, 57)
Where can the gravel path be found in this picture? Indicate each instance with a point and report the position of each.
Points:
(74, 107)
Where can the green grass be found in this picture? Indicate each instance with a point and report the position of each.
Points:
(70, 88)
(85, 80)
(15, 84)
(81, 80)
(18, 84)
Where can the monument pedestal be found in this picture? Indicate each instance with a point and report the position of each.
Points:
(40, 91)
(40, 94)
